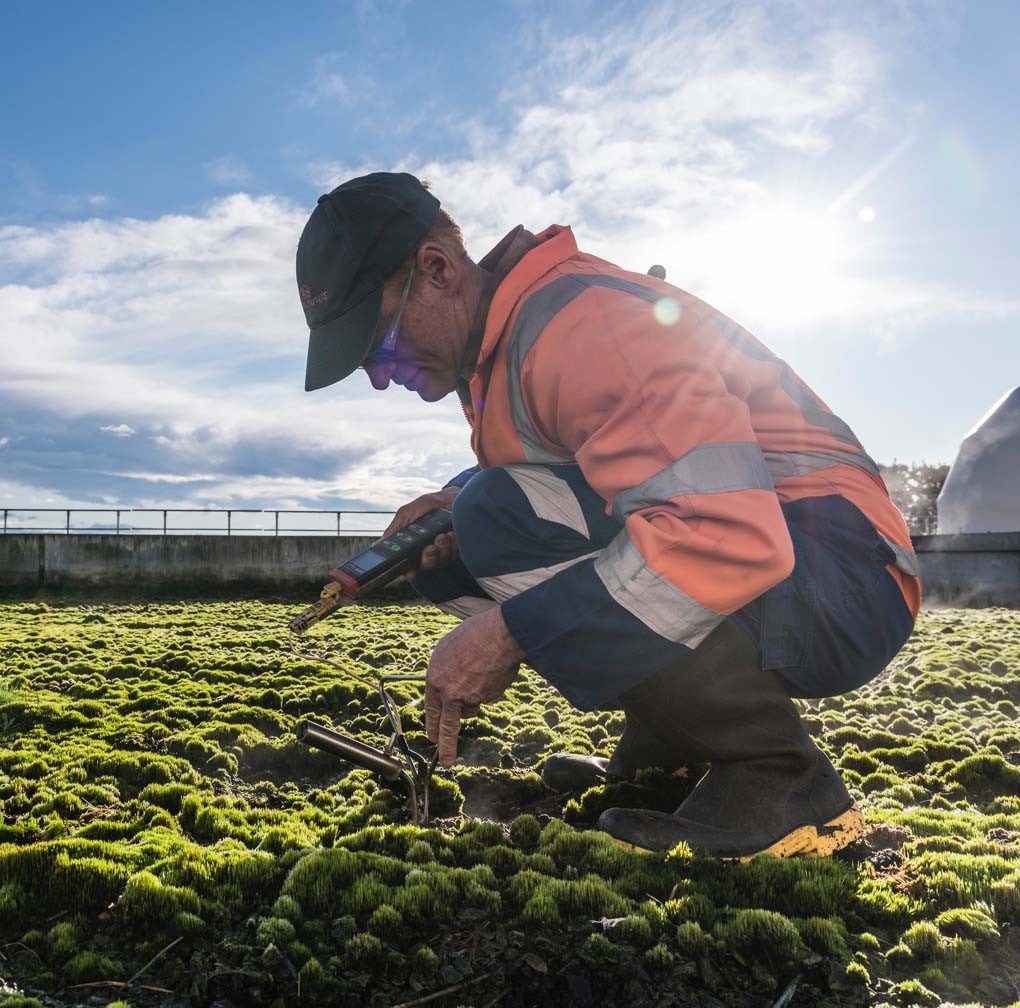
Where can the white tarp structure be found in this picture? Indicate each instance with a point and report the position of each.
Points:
(982, 490)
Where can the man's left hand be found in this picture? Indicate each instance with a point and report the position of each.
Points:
(473, 664)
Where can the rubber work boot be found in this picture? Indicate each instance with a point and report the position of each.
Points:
(636, 750)
(769, 788)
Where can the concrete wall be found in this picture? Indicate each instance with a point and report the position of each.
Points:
(141, 563)
(971, 570)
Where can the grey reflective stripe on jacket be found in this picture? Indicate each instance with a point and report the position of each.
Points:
(538, 311)
(717, 467)
(651, 598)
(906, 559)
(784, 465)
(813, 412)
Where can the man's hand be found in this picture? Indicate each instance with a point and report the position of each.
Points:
(443, 551)
(471, 665)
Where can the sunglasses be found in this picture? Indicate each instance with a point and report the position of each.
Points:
(385, 352)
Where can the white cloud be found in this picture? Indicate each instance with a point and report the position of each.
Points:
(118, 430)
(183, 338)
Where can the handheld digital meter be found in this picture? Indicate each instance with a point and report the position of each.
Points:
(375, 567)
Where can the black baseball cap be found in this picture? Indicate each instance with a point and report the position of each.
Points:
(356, 237)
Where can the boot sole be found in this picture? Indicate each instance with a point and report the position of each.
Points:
(804, 841)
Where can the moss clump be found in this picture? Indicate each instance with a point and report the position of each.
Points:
(659, 958)
(913, 992)
(634, 929)
(967, 923)
(600, 951)
(314, 980)
(541, 911)
(923, 939)
(425, 962)
(386, 922)
(691, 940)
(825, 935)
(856, 973)
(288, 907)
(87, 966)
(753, 932)
(147, 901)
(275, 931)
(525, 831)
(363, 950)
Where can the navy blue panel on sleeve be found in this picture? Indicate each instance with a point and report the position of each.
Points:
(462, 477)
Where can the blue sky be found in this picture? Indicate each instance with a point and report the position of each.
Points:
(841, 179)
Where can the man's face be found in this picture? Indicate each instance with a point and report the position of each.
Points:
(428, 347)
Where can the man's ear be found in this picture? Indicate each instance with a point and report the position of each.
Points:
(435, 264)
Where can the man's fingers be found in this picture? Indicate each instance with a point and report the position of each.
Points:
(449, 729)
(433, 713)
(441, 553)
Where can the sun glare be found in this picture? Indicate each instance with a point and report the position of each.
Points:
(783, 264)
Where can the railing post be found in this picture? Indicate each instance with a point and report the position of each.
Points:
(5, 521)
(68, 526)
(228, 523)
(164, 521)
(338, 514)
(276, 523)
(118, 522)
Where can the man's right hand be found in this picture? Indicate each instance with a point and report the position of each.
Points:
(444, 550)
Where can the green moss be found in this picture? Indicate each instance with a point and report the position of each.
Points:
(363, 950)
(923, 939)
(634, 929)
(825, 935)
(386, 922)
(967, 923)
(275, 931)
(913, 992)
(691, 940)
(425, 961)
(87, 966)
(858, 974)
(659, 958)
(525, 831)
(752, 932)
(161, 778)
(146, 900)
(541, 911)
(599, 950)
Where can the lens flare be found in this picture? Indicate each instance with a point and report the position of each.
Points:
(666, 311)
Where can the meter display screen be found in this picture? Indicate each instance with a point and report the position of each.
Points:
(365, 561)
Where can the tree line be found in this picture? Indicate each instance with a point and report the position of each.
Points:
(914, 489)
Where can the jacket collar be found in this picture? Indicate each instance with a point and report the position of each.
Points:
(548, 249)
(498, 263)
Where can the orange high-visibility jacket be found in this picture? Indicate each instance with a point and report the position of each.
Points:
(691, 430)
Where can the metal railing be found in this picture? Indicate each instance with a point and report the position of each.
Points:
(124, 521)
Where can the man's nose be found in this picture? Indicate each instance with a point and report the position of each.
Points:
(381, 374)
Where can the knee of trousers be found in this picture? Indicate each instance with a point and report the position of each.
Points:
(489, 517)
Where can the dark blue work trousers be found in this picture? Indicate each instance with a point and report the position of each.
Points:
(833, 625)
